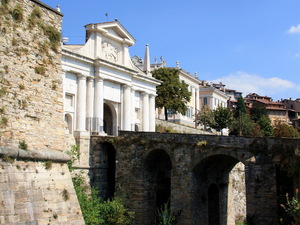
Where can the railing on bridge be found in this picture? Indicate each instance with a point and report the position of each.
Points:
(94, 126)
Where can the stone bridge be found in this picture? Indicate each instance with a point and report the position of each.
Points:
(192, 173)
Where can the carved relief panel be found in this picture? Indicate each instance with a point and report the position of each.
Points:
(109, 52)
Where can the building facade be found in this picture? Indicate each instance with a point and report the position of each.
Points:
(276, 111)
(103, 90)
(213, 96)
(193, 106)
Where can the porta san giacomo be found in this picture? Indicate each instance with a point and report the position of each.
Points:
(55, 96)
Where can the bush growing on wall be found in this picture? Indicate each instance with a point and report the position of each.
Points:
(96, 211)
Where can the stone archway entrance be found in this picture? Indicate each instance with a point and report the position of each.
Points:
(104, 157)
(213, 205)
(215, 199)
(158, 172)
(108, 121)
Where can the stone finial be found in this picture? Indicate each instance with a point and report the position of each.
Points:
(58, 8)
(147, 68)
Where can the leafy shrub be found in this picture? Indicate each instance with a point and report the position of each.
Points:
(3, 121)
(22, 145)
(48, 165)
(285, 130)
(17, 13)
(34, 16)
(40, 70)
(165, 216)
(89, 203)
(74, 153)
(98, 212)
(292, 208)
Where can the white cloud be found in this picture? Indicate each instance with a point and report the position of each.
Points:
(251, 83)
(294, 29)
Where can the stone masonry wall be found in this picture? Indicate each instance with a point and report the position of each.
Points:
(198, 161)
(35, 183)
(39, 191)
(31, 96)
(179, 128)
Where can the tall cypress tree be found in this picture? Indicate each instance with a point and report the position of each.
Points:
(241, 107)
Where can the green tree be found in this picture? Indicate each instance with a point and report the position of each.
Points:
(172, 94)
(257, 111)
(266, 126)
(222, 118)
(244, 126)
(240, 108)
(205, 117)
(285, 130)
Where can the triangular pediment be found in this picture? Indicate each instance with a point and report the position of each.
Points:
(113, 30)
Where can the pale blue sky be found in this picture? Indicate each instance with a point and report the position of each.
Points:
(250, 45)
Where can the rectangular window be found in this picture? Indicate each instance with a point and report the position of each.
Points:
(189, 112)
(205, 100)
(171, 112)
(69, 100)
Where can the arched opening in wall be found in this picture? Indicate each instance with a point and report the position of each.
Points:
(68, 120)
(285, 185)
(219, 193)
(158, 168)
(108, 120)
(213, 205)
(136, 127)
(104, 163)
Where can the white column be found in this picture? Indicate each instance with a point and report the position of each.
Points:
(98, 105)
(197, 106)
(133, 118)
(127, 108)
(152, 113)
(197, 100)
(194, 100)
(145, 111)
(212, 103)
(81, 104)
(89, 103)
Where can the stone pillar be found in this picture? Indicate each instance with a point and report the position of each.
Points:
(98, 106)
(260, 175)
(81, 104)
(127, 108)
(145, 111)
(152, 113)
(89, 103)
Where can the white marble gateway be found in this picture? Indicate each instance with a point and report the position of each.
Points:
(104, 91)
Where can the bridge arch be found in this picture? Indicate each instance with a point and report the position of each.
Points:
(213, 188)
(158, 168)
(104, 169)
(191, 158)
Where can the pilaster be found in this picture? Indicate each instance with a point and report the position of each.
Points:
(133, 118)
(152, 113)
(89, 103)
(145, 111)
(127, 108)
(98, 106)
(81, 104)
